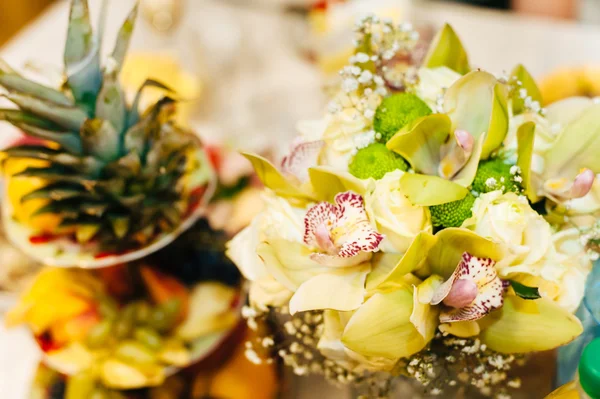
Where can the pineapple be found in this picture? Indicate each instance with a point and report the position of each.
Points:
(116, 179)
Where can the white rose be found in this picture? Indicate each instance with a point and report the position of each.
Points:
(562, 274)
(279, 219)
(509, 220)
(394, 215)
(433, 82)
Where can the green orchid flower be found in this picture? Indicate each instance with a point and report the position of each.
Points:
(473, 125)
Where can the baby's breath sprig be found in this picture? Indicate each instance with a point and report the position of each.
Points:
(516, 89)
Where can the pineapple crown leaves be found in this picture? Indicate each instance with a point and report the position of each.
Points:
(110, 165)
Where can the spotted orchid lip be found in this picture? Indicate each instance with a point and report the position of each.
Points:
(341, 230)
(471, 292)
(302, 156)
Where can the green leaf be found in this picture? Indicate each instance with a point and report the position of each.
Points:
(523, 326)
(426, 190)
(528, 83)
(16, 83)
(382, 327)
(68, 117)
(568, 156)
(525, 141)
(273, 179)
(524, 291)
(447, 50)
(328, 182)
(421, 141)
(87, 165)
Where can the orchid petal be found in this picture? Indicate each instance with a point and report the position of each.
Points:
(477, 103)
(421, 142)
(302, 156)
(462, 329)
(447, 50)
(457, 153)
(473, 290)
(289, 262)
(424, 190)
(328, 182)
(414, 258)
(520, 74)
(467, 173)
(323, 214)
(566, 111)
(451, 244)
(565, 189)
(577, 147)
(524, 326)
(347, 286)
(424, 316)
(273, 179)
(525, 140)
(382, 326)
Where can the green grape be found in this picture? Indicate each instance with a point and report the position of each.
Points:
(80, 385)
(164, 316)
(134, 352)
(375, 161)
(148, 337)
(108, 307)
(143, 310)
(452, 214)
(100, 334)
(397, 111)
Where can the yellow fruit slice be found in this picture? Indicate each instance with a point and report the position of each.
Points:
(17, 187)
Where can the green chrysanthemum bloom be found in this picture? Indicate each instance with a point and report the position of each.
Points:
(397, 111)
(494, 174)
(452, 214)
(375, 161)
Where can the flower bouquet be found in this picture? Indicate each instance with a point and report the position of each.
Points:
(437, 223)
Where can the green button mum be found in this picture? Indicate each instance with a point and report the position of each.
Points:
(452, 214)
(397, 111)
(494, 174)
(375, 161)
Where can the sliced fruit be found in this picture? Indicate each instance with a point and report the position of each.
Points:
(76, 328)
(163, 288)
(117, 374)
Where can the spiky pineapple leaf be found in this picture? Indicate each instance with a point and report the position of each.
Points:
(134, 113)
(87, 165)
(123, 39)
(82, 56)
(110, 104)
(70, 118)
(57, 191)
(100, 139)
(17, 83)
